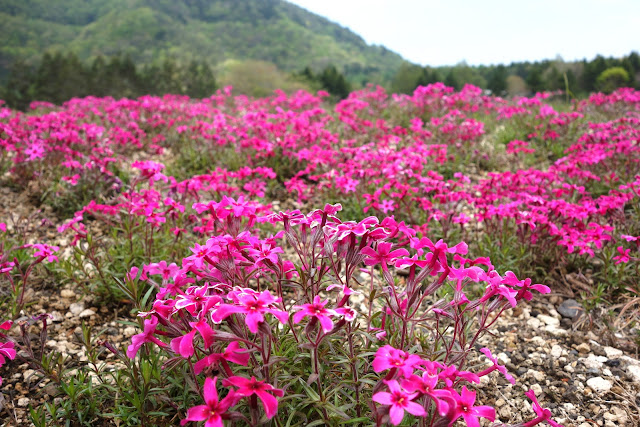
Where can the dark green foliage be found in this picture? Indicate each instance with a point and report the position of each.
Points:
(60, 77)
(497, 81)
(534, 80)
(452, 81)
(429, 76)
(580, 78)
(329, 79)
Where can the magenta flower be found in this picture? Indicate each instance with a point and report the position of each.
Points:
(184, 345)
(384, 255)
(248, 387)
(213, 412)
(427, 385)
(146, 336)
(398, 401)
(388, 357)
(265, 251)
(253, 305)
(167, 271)
(542, 414)
(624, 256)
(464, 408)
(7, 350)
(46, 251)
(315, 310)
(202, 253)
(495, 366)
(524, 285)
(233, 353)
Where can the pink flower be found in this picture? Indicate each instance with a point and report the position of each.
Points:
(202, 253)
(388, 357)
(265, 251)
(6, 325)
(253, 305)
(146, 336)
(495, 366)
(427, 385)
(7, 350)
(167, 271)
(464, 408)
(399, 401)
(184, 345)
(233, 353)
(315, 310)
(624, 256)
(46, 251)
(384, 255)
(524, 285)
(248, 387)
(542, 414)
(213, 412)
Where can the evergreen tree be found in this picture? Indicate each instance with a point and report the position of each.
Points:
(20, 88)
(452, 80)
(429, 76)
(534, 80)
(334, 82)
(497, 82)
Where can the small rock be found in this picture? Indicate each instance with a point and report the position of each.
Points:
(548, 320)
(537, 389)
(634, 372)
(593, 362)
(76, 308)
(570, 308)
(67, 293)
(599, 384)
(537, 375)
(23, 401)
(505, 412)
(86, 313)
(29, 376)
(583, 348)
(612, 353)
(56, 316)
(556, 351)
(534, 323)
(556, 331)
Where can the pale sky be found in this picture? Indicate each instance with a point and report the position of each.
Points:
(441, 32)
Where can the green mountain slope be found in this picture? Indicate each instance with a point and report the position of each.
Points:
(212, 30)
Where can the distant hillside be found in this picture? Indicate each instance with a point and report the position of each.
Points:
(211, 30)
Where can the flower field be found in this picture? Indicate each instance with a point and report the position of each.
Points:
(290, 262)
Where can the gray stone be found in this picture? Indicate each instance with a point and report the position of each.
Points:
(570, 308)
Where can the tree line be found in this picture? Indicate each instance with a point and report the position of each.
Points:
(59, 77)
(578, 78)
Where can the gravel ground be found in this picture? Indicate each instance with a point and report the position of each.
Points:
(585, 376)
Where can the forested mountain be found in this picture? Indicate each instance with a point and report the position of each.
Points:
(212, 31)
